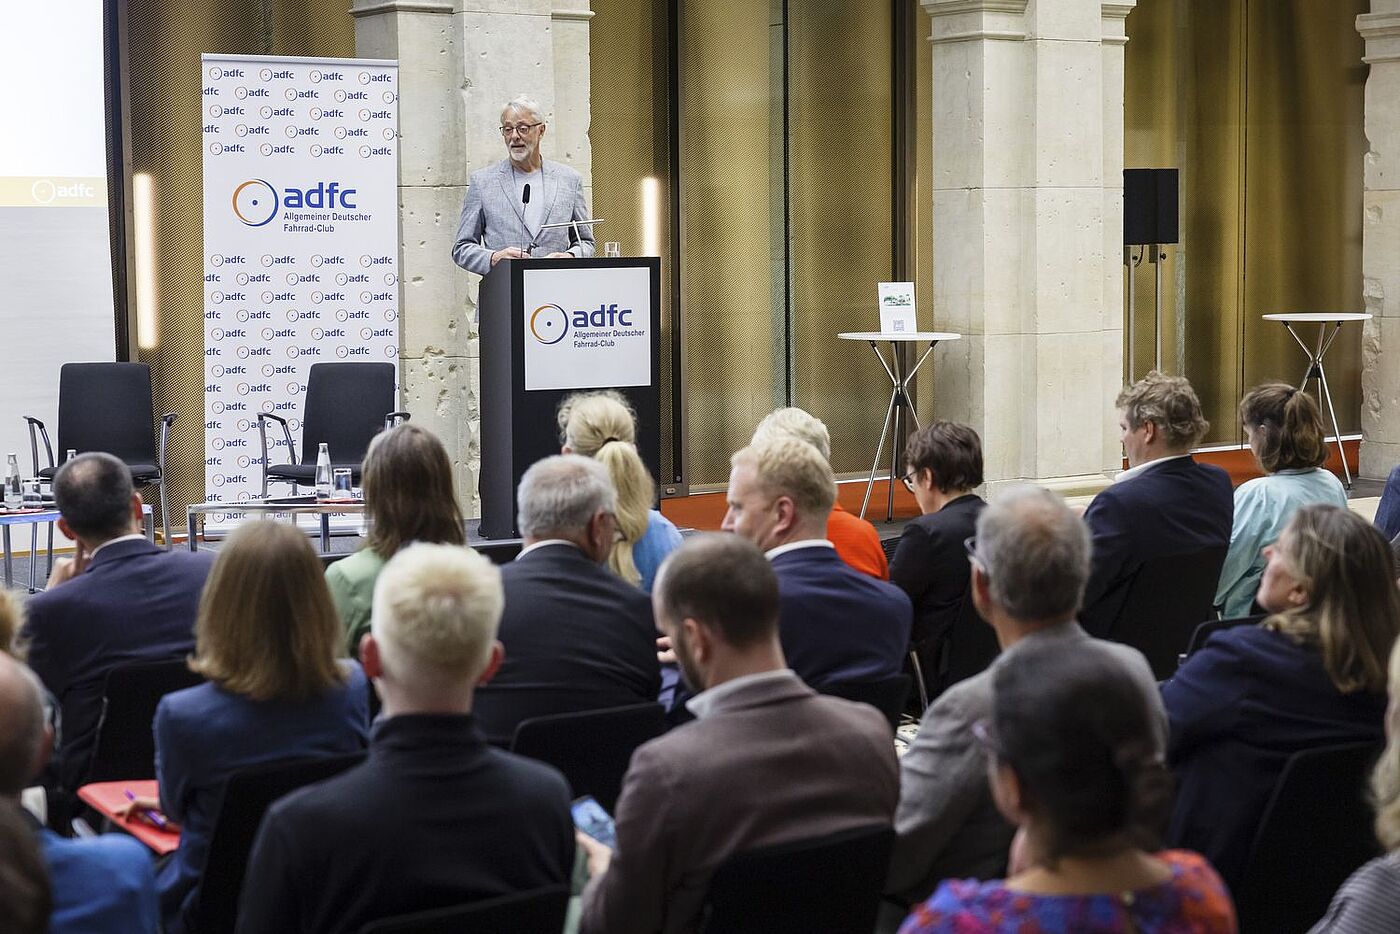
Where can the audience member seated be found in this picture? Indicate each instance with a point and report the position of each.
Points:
(104, 885)
(1075, 765)
(856, 541)
(120, 599)
(1388, 509)
(435, 817)
(837, 624)
(767, 760)
(1165, 504)
(267, 639)
(1369, 900)
(577, 636)
(25, 897)
(943, 464)
(1029, 564)
(1312, 674)
(1284, 428)
(409, 497)
(602, 425)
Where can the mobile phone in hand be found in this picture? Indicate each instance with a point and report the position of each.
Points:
(590, 818)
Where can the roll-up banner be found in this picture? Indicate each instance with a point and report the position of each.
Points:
(301, 242)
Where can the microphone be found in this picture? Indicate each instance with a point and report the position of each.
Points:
(525, 194)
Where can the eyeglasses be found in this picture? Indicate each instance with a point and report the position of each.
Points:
(970, 546)
(521, 128)
(908, 480)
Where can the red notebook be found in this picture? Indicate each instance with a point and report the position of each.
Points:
(107, 797)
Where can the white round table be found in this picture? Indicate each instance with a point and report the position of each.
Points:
(1315, 354)
(900, 374)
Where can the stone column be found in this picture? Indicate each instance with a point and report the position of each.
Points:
(1027, 202)
(1380, 244)
(458, 63)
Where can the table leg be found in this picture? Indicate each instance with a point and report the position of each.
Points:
(325, 533)
(190, 523)
(48, 563)
(879, 449)
(1327, 394)
(9, 569)
(33, 552)
(901, 403)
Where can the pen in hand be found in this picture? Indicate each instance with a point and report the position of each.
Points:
(155, 817)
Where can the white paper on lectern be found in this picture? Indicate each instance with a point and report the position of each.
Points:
(587, 327)
(897, 308)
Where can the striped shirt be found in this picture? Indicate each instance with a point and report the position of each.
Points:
(1368, 902)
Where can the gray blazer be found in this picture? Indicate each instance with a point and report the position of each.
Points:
(947, 824)
(770, 762)
(493, 219)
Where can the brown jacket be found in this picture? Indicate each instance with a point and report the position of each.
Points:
(769, 763)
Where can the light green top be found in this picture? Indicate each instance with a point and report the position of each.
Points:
(351, 581)
(1263, 507)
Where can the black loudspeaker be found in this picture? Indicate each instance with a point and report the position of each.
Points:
(1149, 206)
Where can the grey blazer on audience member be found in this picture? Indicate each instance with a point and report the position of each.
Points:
(493, 218)
(947, 825)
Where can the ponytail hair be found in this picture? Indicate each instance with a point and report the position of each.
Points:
(1077, 730)
(1287, 427)
(601, 425)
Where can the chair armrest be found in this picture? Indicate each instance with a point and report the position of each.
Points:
(395, 418)
(286, 436)
(34, 442)
(166, 421)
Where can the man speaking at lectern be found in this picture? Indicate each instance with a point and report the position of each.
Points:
(508, 203)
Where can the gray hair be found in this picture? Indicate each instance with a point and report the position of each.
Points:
(522, 103)
(1035, 553)
(559, 495)
(796, 423)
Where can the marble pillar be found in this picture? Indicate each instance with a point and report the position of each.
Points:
(459, 62)
(1380, 247)
(1027, 103)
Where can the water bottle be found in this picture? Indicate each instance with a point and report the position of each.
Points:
(323, 472)
(14, 494)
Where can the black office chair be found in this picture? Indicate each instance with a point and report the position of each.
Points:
(831, 884)
(966, 650)
(592, 748)
(1316, 830)
(1165, 602)
(347, 404)
(1211, 626)
(886, 695)
(247, 796)
(125, 748)
(540, 911)
(107, 407)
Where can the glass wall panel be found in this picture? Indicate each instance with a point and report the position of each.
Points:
(840, 190)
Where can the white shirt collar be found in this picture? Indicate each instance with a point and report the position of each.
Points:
(703, 704)
(548, 541)
(1141, 469)
(112, 541)
(772, 553)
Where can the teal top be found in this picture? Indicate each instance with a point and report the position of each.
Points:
(351, 582)
(661, 538)
(1263, 507)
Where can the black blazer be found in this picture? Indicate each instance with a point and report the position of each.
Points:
(577, 637)
(134, 602)
(1174, 508)
(434, 817)
(930, 565)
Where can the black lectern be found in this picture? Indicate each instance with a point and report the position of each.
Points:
(550, 328)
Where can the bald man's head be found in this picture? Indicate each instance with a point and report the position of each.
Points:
(21, 726)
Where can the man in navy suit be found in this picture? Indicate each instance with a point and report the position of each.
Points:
(434, 817)
(577, 636)
(835, 623)
(120, 599)
(1165, 504)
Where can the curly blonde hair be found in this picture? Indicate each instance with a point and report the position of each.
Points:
(1168, 402)
(1385, 779)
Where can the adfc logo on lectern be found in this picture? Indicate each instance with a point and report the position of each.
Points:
(255, 202)
(549, 324)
